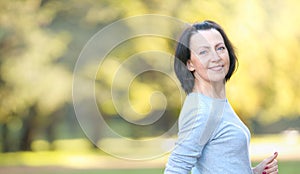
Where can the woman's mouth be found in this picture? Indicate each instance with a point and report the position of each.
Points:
(216, 68)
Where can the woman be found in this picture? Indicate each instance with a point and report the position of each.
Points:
(211, 138)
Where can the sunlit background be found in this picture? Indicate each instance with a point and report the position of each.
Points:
(41, 40)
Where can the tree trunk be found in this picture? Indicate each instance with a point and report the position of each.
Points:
(29, 125)
(5, 139)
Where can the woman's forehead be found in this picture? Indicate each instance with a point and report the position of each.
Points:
(206, 38)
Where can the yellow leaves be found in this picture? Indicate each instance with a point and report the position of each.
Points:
(101, 14)
(108, 107)
(54, 89)
(265, 33)
(50, 86)
(144, 99)
(131, 8)
(107, 70)
(266, 84)
(149, 43)
(30, 72)
(131, 98)
(196, 11)
(140, 95)
(44, 47)
(34, 76)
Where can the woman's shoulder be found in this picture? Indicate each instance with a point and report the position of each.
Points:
(195, 102)
(198, 107)
(194, 108)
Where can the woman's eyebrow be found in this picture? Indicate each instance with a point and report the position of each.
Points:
(203, 46)
(220, 43)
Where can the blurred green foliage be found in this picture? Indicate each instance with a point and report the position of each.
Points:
(40, 41)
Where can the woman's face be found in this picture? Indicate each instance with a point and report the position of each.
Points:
(209, 56)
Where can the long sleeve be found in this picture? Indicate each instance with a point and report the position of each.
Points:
(188, 149)
(211, 139)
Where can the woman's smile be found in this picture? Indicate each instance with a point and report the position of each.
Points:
(216, 68)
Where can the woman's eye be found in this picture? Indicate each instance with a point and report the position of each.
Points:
(203, 52)
(221, 48)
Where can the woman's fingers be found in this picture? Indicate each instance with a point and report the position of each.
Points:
(272, 168)
(273, 163)
(272, 171)
(270, 164)
(267, 166)
(270, 159)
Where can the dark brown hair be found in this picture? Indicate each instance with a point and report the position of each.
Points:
(183, 54)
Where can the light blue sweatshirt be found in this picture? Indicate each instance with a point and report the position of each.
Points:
(211, 139)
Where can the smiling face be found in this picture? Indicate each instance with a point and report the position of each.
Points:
(209, 59)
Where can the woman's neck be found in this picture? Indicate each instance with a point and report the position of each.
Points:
(210, 89)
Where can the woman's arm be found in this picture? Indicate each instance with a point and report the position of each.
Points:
(188, 148)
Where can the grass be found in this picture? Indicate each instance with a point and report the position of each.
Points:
(51, 163)
(286, 167)
(51, 170)
(128, 171)
(81, 159)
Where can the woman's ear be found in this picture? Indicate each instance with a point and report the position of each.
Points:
(190, 65)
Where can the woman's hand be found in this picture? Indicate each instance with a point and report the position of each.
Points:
(267, 166)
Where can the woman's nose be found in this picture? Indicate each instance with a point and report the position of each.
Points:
(215, 56)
